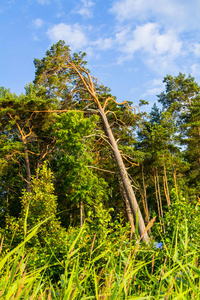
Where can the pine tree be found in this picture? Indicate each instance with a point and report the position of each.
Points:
(59, 66)
(181, 100)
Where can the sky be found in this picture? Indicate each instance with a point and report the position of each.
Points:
(131, 45)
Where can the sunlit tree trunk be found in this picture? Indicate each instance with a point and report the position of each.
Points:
(157, 200)
(145, 197)
(28, 171)
(175, 182)
(124, 176)
(128, 208)
(159, 197)
(81, 214)
(166, 189)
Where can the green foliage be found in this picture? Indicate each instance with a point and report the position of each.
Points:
(183, 213)
(25, 140)
(110, 269)
(60, 80)
(38, 206)
(181, 101)
(73, 167)
(45, 254)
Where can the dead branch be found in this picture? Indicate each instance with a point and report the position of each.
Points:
(124, 156)
(112, 112)
(124, 102)
(102, 170)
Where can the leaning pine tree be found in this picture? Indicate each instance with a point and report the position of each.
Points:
(65, 76)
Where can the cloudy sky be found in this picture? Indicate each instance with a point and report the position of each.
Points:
(130, 44)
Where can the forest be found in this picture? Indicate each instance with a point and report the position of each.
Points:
(98, 199)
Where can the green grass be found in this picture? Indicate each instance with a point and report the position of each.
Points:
(107, 269)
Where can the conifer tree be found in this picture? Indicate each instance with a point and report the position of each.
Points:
(181, 101)
(26, 140)
(59, 72)
(162, 160)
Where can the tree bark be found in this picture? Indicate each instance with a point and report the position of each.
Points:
(81, 213)
(128, 208)
(166, 186)
(159, 196)
(28, 171)
(157, 200)
(145, 197)
(124, 176)
(175, 183)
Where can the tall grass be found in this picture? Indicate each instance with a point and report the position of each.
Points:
(121, 270)
(15, 281)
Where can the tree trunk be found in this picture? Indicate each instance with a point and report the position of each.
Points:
(28, 171)
(175, 183)
(145, 197)
(128, 208)
(159, 196)
(124, 176)
(166, 186)
(81, 213)
(157, 200)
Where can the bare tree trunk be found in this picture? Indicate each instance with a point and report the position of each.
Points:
(143, 202)
(145, 197)
(175, 183)
(158, 205)
(159, 196)
(157, 200)
(28, 171)
(81, 213)
(166, 186)
(128, 208)
(124, 176)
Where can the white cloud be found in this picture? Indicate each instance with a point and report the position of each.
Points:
(75, 37)
(197, 49)
(154, 87)
(121, 34)
(92, 53)
(195, 70)
(72, 34)
(103, 44)
(86, 9)
(36, 38)
(38, 23)
(161, 34)
(150, 40)
(43, 2)
(141, 9)
(170, 13)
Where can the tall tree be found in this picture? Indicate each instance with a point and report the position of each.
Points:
(25, 140)
(181, 100)
(74, 178)
(162, 159)
(58, 72)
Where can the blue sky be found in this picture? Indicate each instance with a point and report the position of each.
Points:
(130, 44)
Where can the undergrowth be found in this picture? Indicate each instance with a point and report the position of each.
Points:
(104, 268)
